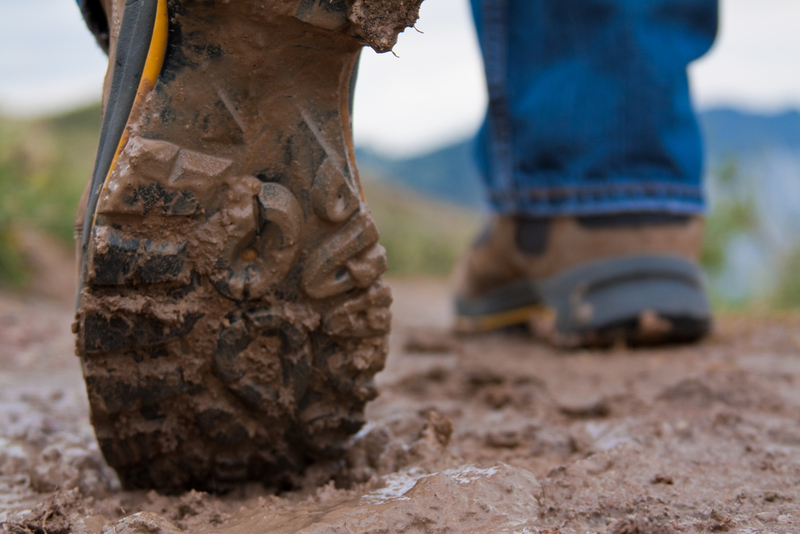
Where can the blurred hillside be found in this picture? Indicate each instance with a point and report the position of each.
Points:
(729, 133)
(429, 207)
(447, 175)
(45, 163)
(753, 238)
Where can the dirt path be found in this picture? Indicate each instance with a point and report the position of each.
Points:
(492, 434)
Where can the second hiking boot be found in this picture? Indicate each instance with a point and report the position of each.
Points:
(581, 281)
(231, 313)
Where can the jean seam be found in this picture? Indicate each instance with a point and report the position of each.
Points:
(639, 188)
(495, 15)
(592, 200)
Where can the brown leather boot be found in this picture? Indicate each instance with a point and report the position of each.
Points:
(231, 314)
(587, 280)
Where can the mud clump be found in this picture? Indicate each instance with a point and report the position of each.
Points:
(65, 512)
(380, 21)
(144, 523)
(376, 22)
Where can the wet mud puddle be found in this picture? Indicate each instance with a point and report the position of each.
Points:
(491, 434)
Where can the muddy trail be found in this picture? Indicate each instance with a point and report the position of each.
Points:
(486, 434)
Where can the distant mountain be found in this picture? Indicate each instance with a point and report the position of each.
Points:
(450, 173)
(730, 133)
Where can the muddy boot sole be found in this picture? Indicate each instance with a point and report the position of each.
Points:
(646, 300)
(231, 314)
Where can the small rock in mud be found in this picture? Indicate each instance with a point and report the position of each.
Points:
(662, 479)
(437, 428)
(640, 525)
(379, 451)
(426, 341)
(594, 409)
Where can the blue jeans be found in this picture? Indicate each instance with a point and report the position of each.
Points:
(589, 108)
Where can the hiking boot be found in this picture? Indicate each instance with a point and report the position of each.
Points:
(231, 314)
(591, 280)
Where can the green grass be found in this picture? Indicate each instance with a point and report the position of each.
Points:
(421, 237)
(44, 166)
(733, 213)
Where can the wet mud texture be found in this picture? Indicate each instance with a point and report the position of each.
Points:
(489, 434)
(232, 314)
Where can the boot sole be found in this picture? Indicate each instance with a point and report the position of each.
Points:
(638, 300)
(231, 314)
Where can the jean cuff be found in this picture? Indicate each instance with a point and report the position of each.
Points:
(600, 199)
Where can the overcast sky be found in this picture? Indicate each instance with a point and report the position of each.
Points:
(430, 95)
